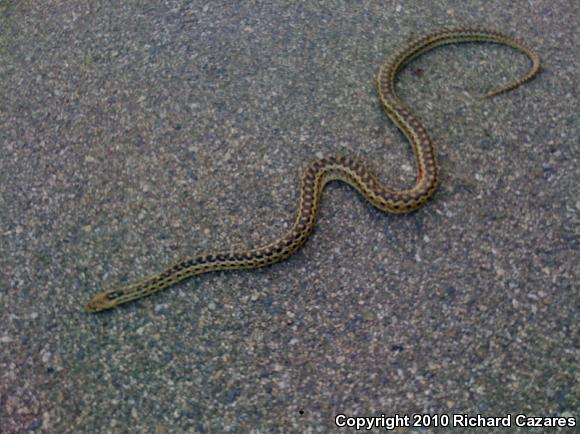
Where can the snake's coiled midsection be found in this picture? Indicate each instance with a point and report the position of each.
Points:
(343, 168)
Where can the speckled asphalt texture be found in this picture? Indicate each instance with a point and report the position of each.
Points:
(135, 134)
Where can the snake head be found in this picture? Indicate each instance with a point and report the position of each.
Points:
(103, 301)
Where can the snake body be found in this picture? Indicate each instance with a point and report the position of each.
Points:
(344, 168)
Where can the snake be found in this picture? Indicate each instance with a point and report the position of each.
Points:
(345, 168)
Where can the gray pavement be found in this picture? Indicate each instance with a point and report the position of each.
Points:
(135, 135)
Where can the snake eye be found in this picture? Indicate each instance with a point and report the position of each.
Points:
(114, 295)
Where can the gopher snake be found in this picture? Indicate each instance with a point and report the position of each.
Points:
(343, 168)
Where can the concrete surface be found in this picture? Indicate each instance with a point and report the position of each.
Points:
(135, 135)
